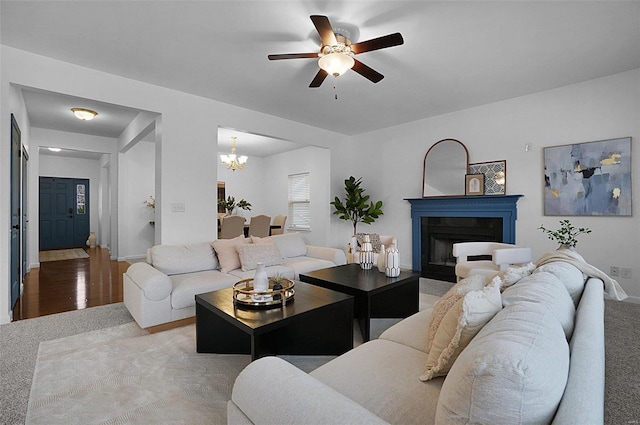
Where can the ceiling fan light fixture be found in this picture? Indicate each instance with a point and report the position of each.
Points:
(84, 114)
(336, 64)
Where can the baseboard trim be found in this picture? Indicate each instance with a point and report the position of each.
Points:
(633, 300)
(171, 325)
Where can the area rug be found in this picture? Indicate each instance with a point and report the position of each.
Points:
(124, 375)
(62, 254)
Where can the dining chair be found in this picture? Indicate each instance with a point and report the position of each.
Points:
(279, 220)
(231, 227)
(259, 226)
(501, 255)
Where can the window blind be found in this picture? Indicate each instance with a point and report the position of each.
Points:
(299, 196)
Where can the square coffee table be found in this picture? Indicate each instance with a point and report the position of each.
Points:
(315, 321)
(376, 295)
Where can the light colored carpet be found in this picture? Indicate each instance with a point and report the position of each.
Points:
(62, 254)
(123, 375)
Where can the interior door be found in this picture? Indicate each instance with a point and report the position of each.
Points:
(25, 218)
(16, 147)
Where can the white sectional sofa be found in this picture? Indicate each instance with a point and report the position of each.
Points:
(538, 360)
(163, 289)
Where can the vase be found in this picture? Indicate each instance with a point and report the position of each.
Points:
(366, 254)
(260, 281)
(382, 259)
(392, 268)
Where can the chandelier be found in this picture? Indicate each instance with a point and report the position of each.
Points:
(233, 161)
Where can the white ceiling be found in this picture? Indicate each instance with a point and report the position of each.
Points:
(457, 54)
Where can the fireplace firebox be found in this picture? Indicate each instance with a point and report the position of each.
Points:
(439, 222)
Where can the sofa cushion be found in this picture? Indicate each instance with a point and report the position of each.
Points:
(410, 331)
(252, 254)
(458, 327)
(305, 264)
(546, 289)
(569, 275)
(227, 253)
(284, 271)
(289, 244)
(447, 301)
(381, 376)
(513, 372)
(187, 286)
(176, 259)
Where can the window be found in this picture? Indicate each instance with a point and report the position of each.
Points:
(299, 202)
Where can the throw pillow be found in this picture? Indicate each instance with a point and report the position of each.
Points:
(262, 241)
(252, 254)
(374, 238)
(444, 304)
(290, 245)
(227, 253)
(461, 323)
(512, 275)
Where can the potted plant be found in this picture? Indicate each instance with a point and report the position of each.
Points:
(566, 235)
(230, 204)
(356, 207)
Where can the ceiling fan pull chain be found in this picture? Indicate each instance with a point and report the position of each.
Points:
(335, 91)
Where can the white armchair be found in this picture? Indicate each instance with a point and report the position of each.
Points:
(502, 256)
(353, 247)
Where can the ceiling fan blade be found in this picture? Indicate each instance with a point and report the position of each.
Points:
(378, 43)
(318, 79)
(367, 72)
(324, 29)
(293, 56)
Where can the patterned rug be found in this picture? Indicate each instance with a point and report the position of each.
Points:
(63, 254)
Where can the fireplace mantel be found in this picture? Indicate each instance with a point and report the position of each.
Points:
(462, 206)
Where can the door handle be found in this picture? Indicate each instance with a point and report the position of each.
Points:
(17, 226)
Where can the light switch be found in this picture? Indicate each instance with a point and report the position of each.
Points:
(177, 207)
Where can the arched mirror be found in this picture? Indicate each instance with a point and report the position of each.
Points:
(445, 166)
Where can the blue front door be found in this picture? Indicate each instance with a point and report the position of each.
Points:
(64, 212)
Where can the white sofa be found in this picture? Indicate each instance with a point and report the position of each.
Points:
(540, 359)
(163, 289)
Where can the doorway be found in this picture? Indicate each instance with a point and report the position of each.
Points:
(16, 216)
(64, 212)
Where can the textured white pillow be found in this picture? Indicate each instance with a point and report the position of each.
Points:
(178, 259)
(290, 245)
(513, 274)
(461, 323)
(227, 253)
(569, 275)
(546, 289)
(444, 304)
(513, 372)
(252, 254)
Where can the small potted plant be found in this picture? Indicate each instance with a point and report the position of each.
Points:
(566, 235)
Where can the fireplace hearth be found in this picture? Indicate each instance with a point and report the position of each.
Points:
(439, 222)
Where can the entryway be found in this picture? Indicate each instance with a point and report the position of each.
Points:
(64, 212)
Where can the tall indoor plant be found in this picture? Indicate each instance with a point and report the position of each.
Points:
(356, 207)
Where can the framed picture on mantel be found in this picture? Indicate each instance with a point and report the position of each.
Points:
(474, 184)
(495, 176)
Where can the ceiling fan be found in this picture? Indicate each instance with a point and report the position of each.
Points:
(336, 53)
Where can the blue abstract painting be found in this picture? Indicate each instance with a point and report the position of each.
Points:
(592, 178)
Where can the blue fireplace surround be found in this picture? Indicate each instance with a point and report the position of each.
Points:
(462, 206)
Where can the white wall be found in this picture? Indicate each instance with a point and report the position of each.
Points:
(139, 165)
(599, 109)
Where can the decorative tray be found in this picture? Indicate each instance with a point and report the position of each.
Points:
(244, 295)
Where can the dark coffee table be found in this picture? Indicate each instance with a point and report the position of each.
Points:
(376, 295)
(315, 321)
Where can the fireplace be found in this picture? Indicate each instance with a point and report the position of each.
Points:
(439, 222)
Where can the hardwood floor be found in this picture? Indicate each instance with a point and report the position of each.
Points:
(67, 285)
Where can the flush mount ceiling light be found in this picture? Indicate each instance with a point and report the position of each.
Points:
(233, 161)
(84, 114)
(55, 149)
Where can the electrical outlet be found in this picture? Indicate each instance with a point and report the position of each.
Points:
(615, 271)
(625, 272)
